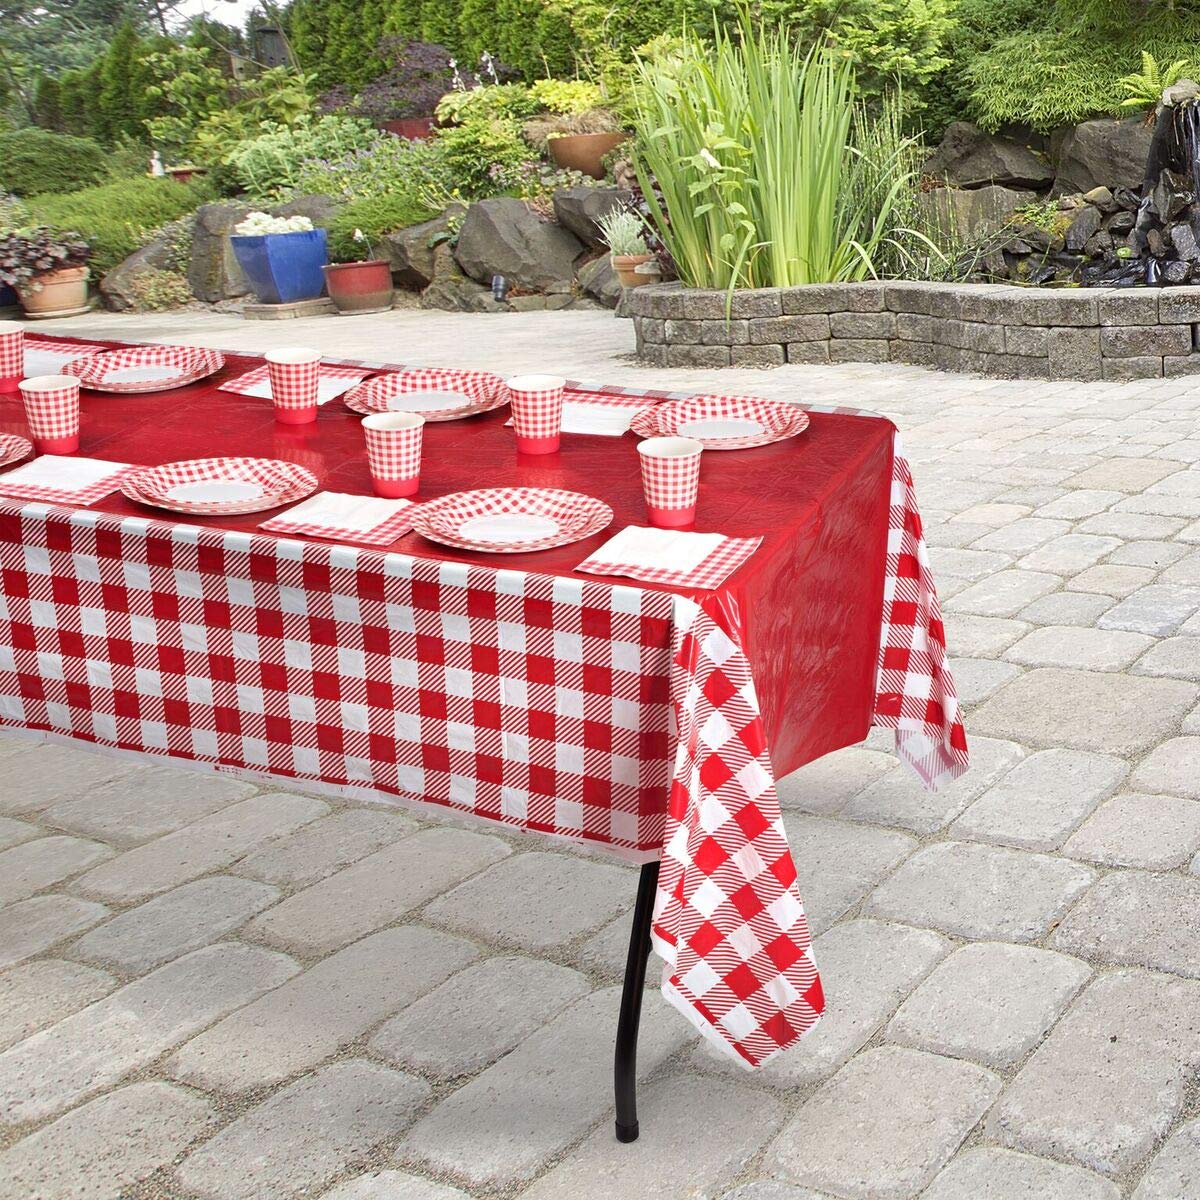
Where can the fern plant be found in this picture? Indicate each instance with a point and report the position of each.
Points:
(1143, 88)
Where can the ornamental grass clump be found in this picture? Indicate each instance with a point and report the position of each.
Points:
(751, 142)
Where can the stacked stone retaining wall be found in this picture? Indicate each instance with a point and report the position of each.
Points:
(989, 329)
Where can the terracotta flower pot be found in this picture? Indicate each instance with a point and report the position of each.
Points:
(584, 151)
(415, 129)
(185, 174)
(624, 265)
(62, 293)
(360, 287)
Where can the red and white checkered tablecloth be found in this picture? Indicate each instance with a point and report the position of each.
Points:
(624, 717)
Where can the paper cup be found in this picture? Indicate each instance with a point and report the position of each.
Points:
(12, 355)
(294, 375)
(537, 412)
(52, 410)
(670, 479)
(394, 452)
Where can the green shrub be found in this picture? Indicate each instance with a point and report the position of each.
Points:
(152, 290)
(496, 102)
(394, 166)
(270, 164)
(33, 161)
(484, 157)
(117, 218)
(373, 216)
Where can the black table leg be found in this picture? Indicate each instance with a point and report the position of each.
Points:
(625, 1060)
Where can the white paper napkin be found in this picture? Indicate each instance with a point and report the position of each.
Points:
(341, 511)
(658, 549)
(607, 420)
(63, 472)
(329, 387)
(51, 362)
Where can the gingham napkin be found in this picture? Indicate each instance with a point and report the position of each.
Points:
(333, 381)
(677, 557)
(48, 358)
(341, 517)
(64, 479)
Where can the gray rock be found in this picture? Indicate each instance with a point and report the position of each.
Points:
(970, 158)
(318, 208)
(1104, 151)
(118, 286)
(504, 237)
(413, 251)
(1083, 227)
(973, 213)
(598, 279)
(213, 271)
(579, 209)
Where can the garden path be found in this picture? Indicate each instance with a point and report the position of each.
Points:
(1013, 964)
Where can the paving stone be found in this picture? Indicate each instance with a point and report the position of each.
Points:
(34, 925)
(979, 891)
(1172, 658)
(1088, 649)
(96, 1047)
(477, 1016)
(506, 1124)
(1136, 917)
(993, 1174)
(773, 1189)
(393, 1185)
(1022, 536)
(668, 1162)
(375, 891)
(838, 863)
(1069, 554)
(866, 968)
(1173, 767)
(605, 952)
(1080, 502)
(305, 1135)
(209, 844)
(900, 799)
(175, 923)
(145, 804)
(322, 847)
(35, 865)
(1131, 525)
(990, 1002)
(38, 994)
(1042, 799)
(38, 775)
(1004, 594)
(981, 637)
(13, 833)
(1112, 580)
(328, 1006)
(975, 679)
(104, 1146)
(994, 515)
(1159, 609)
(970, 564)
(884, 1126)
(1066, 608)
(1158, 833)
(825, 785)
(1112, 1076)
(1186, 571)
(1176, 1167)
(1155, 555)
(536, 901)
(1125, 474)
(1085, 710)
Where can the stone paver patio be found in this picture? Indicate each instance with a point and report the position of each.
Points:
(216, 991)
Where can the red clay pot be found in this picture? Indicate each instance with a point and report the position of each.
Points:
(360, 287)
(416, 129)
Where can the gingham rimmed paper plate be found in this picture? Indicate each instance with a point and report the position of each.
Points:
(214, 487)
(135, 369)
(723, 422)
(435, 394)
(511, 520)
(14, 448)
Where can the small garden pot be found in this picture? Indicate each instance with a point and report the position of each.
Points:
(415, 129)
(625, 266)
(584, 151)
(283, 267)
(61, 294)
(185, 174)
(360, 287)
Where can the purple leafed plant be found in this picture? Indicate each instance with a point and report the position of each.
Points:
(32, 252)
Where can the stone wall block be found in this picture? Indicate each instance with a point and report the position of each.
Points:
(697, 356)
(1030, 341)
(862, 324)
(908, 296)
(760, 356)
(1136, 367)
(682, 333)
(1138, 341)
(1179, 306)
(875, 350)
(1179, 364)
(914, 327)
(1129, 306)
(814, 353)
(980, 336)
(724, 333)
(1075, 354)
(767, 330)
(650, 329)
(920, 354)
(1012, 366)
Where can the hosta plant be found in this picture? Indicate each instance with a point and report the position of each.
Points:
(26, 255)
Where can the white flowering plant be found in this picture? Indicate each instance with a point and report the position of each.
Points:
(258, 224)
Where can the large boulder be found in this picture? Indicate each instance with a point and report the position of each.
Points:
(970, 158)
(579, 209)
(412, 251)
(119, 286)
(598, 279)
(503, 237)
(213, 272)
(318, 208)
(974, 213)
(1103, 152)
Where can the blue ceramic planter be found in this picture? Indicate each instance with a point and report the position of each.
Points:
(283, 267)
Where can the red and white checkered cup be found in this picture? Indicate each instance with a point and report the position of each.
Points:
(537, 402)
(294, 374)
(394, 452)
(670, 479)
(52, 410)
(12, 355)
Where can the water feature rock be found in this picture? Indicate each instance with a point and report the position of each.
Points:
(1083, 227)
(1119, 223)
(1102, 199)
(579, 209)
(1178, 272)
(598, 279)
(504, 237)
(118, 286)
(413, 251)
(974, 213)
(213, 272)
(1104, 151)
(1184, 240)
(970, 158)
